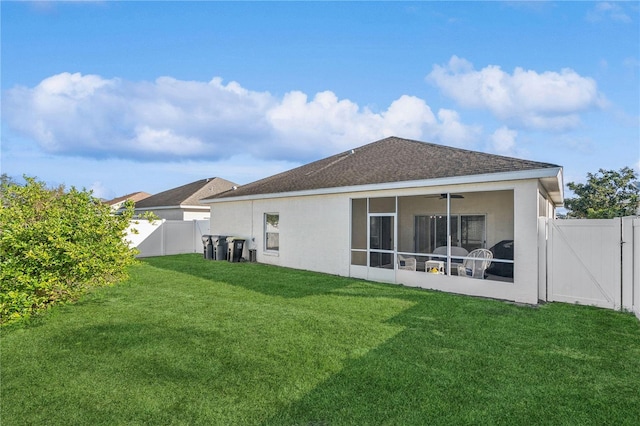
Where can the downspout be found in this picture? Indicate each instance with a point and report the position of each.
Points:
(253, 237)
(395, 238)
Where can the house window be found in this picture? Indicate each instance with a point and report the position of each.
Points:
(472, 232)
(272, 231)
(467, 231)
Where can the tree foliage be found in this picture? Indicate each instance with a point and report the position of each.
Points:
(607, 194)
(55, 245)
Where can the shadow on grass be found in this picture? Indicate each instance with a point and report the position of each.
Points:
(361, 355)
(484, 362)
(458, 359)
(266, 279)
(150, 351)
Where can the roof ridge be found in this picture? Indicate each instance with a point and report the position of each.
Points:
(337, 160)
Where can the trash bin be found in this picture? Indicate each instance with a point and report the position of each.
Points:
(252, 255)
(220, 245)
(236, 245)
(207, 247)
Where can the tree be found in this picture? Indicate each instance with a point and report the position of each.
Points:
(606, 194)
(55, 245)
(5, 182)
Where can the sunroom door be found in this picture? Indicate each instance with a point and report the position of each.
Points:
(382, 237)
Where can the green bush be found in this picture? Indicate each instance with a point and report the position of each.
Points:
(55, 245)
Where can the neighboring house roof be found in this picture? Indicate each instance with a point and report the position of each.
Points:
(388, 160)
(135, 197)
(187, 195)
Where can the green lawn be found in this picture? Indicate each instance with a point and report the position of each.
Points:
(189, 341)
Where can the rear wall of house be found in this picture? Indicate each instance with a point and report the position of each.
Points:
(315, 233)
(313, 230)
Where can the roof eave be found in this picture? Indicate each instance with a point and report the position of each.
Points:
(550, 177)
(181, 206)
(554, 185)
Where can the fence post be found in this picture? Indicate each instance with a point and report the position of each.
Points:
(626, 257)
(635, 291)
(194, 234)
(542, 258)
(163, 231)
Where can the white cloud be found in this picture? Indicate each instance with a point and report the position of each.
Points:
(631, 62)
(101, 191)
(503, 141)
(547, 101)
(608, 10)
(170, 119)
(453, 131)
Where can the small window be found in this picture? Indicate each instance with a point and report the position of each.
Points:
(271, 231)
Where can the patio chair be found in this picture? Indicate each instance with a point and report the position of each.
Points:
(475, 267)
(406, 263)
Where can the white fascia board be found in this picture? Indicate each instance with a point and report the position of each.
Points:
(560, 177)
(554, 185)
(181, 206)
(455, 180)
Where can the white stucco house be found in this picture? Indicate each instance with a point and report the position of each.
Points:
(382, 211)
(183, 202)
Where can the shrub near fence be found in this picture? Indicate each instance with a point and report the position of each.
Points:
(54, 245)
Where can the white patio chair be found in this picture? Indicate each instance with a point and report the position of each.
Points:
(475, 267)
(406, 263)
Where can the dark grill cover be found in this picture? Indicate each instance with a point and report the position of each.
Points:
(502, 250)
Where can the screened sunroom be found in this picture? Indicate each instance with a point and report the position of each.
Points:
(462, 234)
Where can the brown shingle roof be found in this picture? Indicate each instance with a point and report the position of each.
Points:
(134, 196)
(189, 194)
(388, 160)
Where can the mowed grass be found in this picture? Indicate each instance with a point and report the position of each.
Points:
(189, 341)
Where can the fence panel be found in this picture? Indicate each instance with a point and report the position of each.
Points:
(584, 262)
(147, 237)
(166, 237)
(178, 237)
(627, 253)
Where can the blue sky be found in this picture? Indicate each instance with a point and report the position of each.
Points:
(121, 97)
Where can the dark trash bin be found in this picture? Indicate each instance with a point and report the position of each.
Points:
(236, 245)
(207, 247)
(220, 245)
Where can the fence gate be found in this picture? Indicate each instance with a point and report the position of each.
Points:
(584, 263)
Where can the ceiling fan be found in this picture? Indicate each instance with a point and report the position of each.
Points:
(444, 196)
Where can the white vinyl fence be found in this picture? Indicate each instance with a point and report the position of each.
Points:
(164, 237)
(591, 262)
(587, 261)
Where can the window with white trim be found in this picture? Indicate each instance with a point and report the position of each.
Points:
(272, 231)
